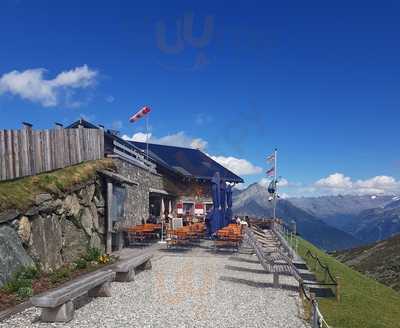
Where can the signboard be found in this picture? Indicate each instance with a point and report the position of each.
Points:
(177, 223)
(199, 209)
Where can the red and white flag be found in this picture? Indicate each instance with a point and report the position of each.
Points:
(140, 114)
(271, 172)
(271, 158)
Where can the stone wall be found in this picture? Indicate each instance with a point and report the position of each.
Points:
(137, 202)
(56, 231)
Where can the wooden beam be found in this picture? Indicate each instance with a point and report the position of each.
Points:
(117, 177)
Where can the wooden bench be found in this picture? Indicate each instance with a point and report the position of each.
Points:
(126, 270)
(57, 304)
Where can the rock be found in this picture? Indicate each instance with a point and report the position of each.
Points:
(46, 242)
(86, 194)
(41, 198)
(86, 221)
(75, 241)
(91, 189)
(12, 254)
(48, 206)
(24, 229)
(32, 211)
(8, 215)
(72, 206)
(97, 242)
(98, 202)
(95, 216)
(100, 211)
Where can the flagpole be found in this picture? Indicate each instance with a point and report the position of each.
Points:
(276, 184)
(147, 137)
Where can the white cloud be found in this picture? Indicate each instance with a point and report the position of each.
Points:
(179, 139)
(264, 182)
(140, 137)
(238, 166)
(339, 183)
(335, 181)
(241, 186)
(31, 85)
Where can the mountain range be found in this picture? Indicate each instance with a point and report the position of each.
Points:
(253, 201)
(330, 222)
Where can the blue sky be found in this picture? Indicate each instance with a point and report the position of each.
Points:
(318, 80)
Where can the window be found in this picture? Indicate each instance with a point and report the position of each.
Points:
(209, 207)
(188, 208)
(118, 202)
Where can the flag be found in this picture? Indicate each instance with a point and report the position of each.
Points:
(143, 112)
(271, 172)
(271, 158)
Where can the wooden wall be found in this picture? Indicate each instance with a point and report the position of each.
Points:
(27, 152)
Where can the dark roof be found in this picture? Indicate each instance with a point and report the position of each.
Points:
(188, 162)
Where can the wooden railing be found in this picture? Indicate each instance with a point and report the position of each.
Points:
(133, 156)
(26, 152)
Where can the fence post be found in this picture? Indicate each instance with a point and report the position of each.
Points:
(314, 312)
(301, 290)
(109, 217)
(26, 149)
(338, 289)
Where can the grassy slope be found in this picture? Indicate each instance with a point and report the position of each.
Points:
(365, 303)
(20, 194)
(380, 261)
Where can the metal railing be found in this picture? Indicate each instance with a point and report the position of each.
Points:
(325, 268)
(317, 319)
(291, 243)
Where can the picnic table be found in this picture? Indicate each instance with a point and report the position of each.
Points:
(142, 233)
(184, 235)
(230, 236)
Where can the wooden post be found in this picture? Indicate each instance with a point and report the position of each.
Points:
(314, 314)
(2, 157)
(109, 217)
(338, 289)
(26, 158)
(276, 280)
(301, 290)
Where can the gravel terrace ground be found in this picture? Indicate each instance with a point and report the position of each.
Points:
(193, 288)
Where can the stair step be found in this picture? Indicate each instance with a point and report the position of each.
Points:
(321, 291)
(307, 275)
(299, 264)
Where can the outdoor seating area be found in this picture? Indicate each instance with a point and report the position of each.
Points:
(143, 233)
(230, 236)
(185, 235)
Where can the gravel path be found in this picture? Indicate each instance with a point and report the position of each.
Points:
(191, 289)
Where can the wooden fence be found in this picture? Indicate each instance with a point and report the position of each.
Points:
(27, 152)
